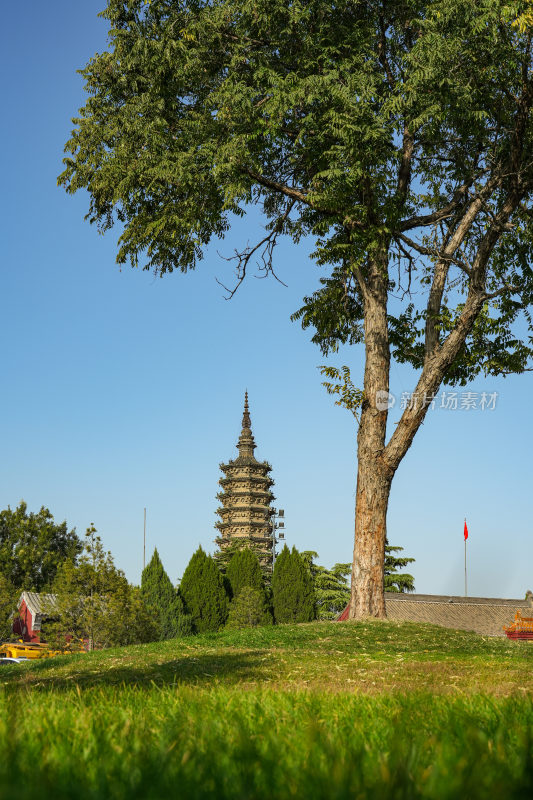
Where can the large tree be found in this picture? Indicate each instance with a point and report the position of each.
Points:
(397, 133)
(33, 546)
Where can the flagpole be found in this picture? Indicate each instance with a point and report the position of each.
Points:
(466, 592)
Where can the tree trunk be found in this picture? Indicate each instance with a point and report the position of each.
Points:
(373, 474)
(372, 500)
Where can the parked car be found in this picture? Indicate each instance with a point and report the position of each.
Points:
(10, 660)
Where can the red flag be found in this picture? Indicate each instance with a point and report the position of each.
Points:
(466, 532)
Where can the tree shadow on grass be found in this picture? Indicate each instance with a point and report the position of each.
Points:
(68, 672)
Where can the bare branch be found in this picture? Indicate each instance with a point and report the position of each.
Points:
(410, 262)
(265, 248)
(434, 252)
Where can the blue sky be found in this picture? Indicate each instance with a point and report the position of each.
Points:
(121, 391)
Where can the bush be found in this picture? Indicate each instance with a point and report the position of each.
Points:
(249, 609)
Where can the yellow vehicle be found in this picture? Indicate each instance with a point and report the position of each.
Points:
(22, 649)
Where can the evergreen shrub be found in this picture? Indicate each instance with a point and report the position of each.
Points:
(244, 570)
(293, 594)
(164, 601)
(249, 609)
(203, 593)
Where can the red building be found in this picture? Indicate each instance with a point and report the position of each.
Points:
(33, 608)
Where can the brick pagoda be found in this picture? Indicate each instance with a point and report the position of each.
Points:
(245, 511)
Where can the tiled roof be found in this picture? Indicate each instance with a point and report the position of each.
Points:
(39, 605)
(37, 602)
(484, 615)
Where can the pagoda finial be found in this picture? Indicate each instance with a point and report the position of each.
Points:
(246, 443)
(246, 421)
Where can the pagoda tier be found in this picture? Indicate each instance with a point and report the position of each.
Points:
(245, 511)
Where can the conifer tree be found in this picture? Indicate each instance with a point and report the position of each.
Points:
(223, 557)
(395, 581)
(281, 590)
(164, 601)
(331, 586)
(203, 593)
(292, 588)
(249, 609)
(244, 569)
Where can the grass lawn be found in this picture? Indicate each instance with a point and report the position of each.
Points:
(323, 710)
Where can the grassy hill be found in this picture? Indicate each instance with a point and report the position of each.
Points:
(322, 710)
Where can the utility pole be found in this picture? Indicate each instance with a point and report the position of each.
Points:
(466, 537)
(144, 541)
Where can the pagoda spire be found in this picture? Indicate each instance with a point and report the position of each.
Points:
(246, 443)
(246, 421)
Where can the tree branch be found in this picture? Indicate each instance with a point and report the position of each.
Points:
(382, 52)
(404, 173)
(439, 360)
(436, 216)
(508, 288)
(433, 252)
(288, 191)
(268, 243)
(446, 257)
(301, 197)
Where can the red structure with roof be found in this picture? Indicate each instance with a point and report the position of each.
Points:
(31, 614)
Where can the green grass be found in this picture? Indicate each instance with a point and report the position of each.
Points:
(337, 657)
(376, 710)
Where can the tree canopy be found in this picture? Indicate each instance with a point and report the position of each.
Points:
(32, 546)
(397, 134)
(8, 603)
